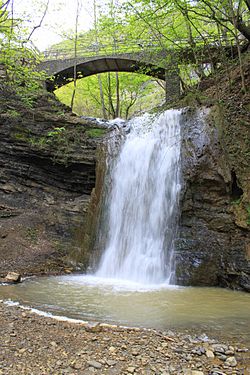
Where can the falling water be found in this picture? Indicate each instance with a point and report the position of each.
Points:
(144, 202)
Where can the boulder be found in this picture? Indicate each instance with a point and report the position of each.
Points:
(13, 277)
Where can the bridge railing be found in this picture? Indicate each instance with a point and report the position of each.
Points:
(98, 49)
(122, 46)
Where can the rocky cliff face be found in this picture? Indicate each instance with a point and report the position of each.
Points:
(47, 173)
(213, 247)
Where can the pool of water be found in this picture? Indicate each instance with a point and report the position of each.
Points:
(131, 304)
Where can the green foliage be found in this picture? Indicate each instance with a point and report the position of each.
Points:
(248, 214)
(95, 132)
(56, 132)
(12, 113)
(19, 59)
(236, 202)
(38, 141)
(20, 63)
(148, 27)
(137, 93)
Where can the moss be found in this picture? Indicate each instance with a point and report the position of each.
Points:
(20, 137)
(241, 212)
(38, 141)
(12, 113)
(248, 214)
(217, 118)
(32, 234)
(95, 132)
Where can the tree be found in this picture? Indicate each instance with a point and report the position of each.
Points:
(39, 24)
(198, 25)
(225, 13)
(3, 10)
(78, 6)
(136, 92)
(18, 55)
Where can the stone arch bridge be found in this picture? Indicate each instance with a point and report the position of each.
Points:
(153, 61)
(160, 65)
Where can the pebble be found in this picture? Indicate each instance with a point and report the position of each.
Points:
(110, 352)
(131, 370)
(222, 357)
(94, 364)
(219, 348)
(110, 362)
(231, 361)
(209, 354)
(77, 366)
(242, 350)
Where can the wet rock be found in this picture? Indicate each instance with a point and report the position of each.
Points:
(13, 277)
(93, 327)
(208, 222)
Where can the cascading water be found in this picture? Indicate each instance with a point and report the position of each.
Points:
(144, 202)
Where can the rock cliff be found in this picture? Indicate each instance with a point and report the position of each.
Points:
(213, 247)
(47, 173)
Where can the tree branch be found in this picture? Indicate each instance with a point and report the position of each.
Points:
(40, 23)
(247, 4)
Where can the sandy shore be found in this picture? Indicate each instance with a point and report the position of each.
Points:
(32, 344)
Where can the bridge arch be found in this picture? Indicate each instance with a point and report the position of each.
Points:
(159, 64)
(102, 65)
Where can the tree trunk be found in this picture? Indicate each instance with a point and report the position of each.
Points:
(235, 21)
(117, 109)
(75, 54)
(243, 28)
(104, 112)
(111, 105)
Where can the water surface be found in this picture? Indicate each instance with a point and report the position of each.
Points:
(212, 310)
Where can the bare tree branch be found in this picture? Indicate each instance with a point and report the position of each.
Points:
(40, 23)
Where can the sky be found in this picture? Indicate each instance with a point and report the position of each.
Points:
(59, 19)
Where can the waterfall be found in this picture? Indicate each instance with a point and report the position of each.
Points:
(143, 207)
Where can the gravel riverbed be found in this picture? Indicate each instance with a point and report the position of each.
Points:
(36, 345)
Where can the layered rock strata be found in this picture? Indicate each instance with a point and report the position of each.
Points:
(47, 173)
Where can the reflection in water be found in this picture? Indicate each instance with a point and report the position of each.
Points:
(159, 306)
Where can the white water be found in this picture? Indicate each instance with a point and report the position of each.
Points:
(144, 202)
